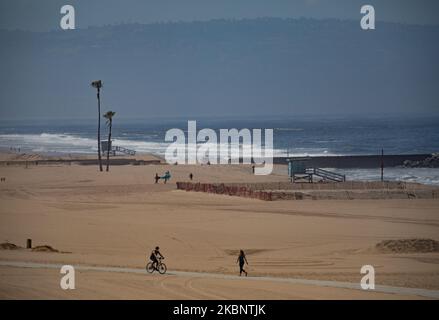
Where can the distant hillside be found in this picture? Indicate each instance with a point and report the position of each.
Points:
(257, 66)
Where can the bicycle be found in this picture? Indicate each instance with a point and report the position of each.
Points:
(161, 267)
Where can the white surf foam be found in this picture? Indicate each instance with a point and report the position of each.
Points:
(419, 175)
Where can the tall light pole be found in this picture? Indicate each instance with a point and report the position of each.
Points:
(98, 85)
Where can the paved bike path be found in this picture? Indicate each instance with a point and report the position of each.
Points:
(334, 284)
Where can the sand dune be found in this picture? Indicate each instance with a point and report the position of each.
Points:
(408, 246)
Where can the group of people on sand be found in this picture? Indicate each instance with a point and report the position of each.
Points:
(242, 260)
(165, 177)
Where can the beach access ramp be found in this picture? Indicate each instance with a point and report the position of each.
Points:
(114, 149)
(123, 150)
(298, 170)
(326, 175)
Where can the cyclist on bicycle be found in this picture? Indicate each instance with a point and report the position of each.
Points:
(154, 257)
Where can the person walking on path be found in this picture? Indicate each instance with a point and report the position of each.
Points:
(241, 260)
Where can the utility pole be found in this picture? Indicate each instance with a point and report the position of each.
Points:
(382, 165)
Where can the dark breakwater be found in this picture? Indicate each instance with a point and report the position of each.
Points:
(358, 162)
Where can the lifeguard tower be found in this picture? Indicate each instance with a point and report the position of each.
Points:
(297, 170)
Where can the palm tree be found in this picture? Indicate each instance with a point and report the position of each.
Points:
(98, 85)
(109, 116)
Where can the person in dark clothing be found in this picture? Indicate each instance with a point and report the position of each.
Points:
(156, 178)
(241, 260)
(154, 257)
(191, 176)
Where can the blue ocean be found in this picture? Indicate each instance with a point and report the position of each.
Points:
(293, 136)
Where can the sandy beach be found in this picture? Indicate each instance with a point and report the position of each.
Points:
(115, 219)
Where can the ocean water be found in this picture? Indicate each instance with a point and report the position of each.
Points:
(293, 136)
(422, 175)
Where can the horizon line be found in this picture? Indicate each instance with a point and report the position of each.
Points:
(235, 20)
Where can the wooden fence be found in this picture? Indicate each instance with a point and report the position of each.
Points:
(221, 188)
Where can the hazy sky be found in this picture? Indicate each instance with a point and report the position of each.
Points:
(43, 15)
(246, 67)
